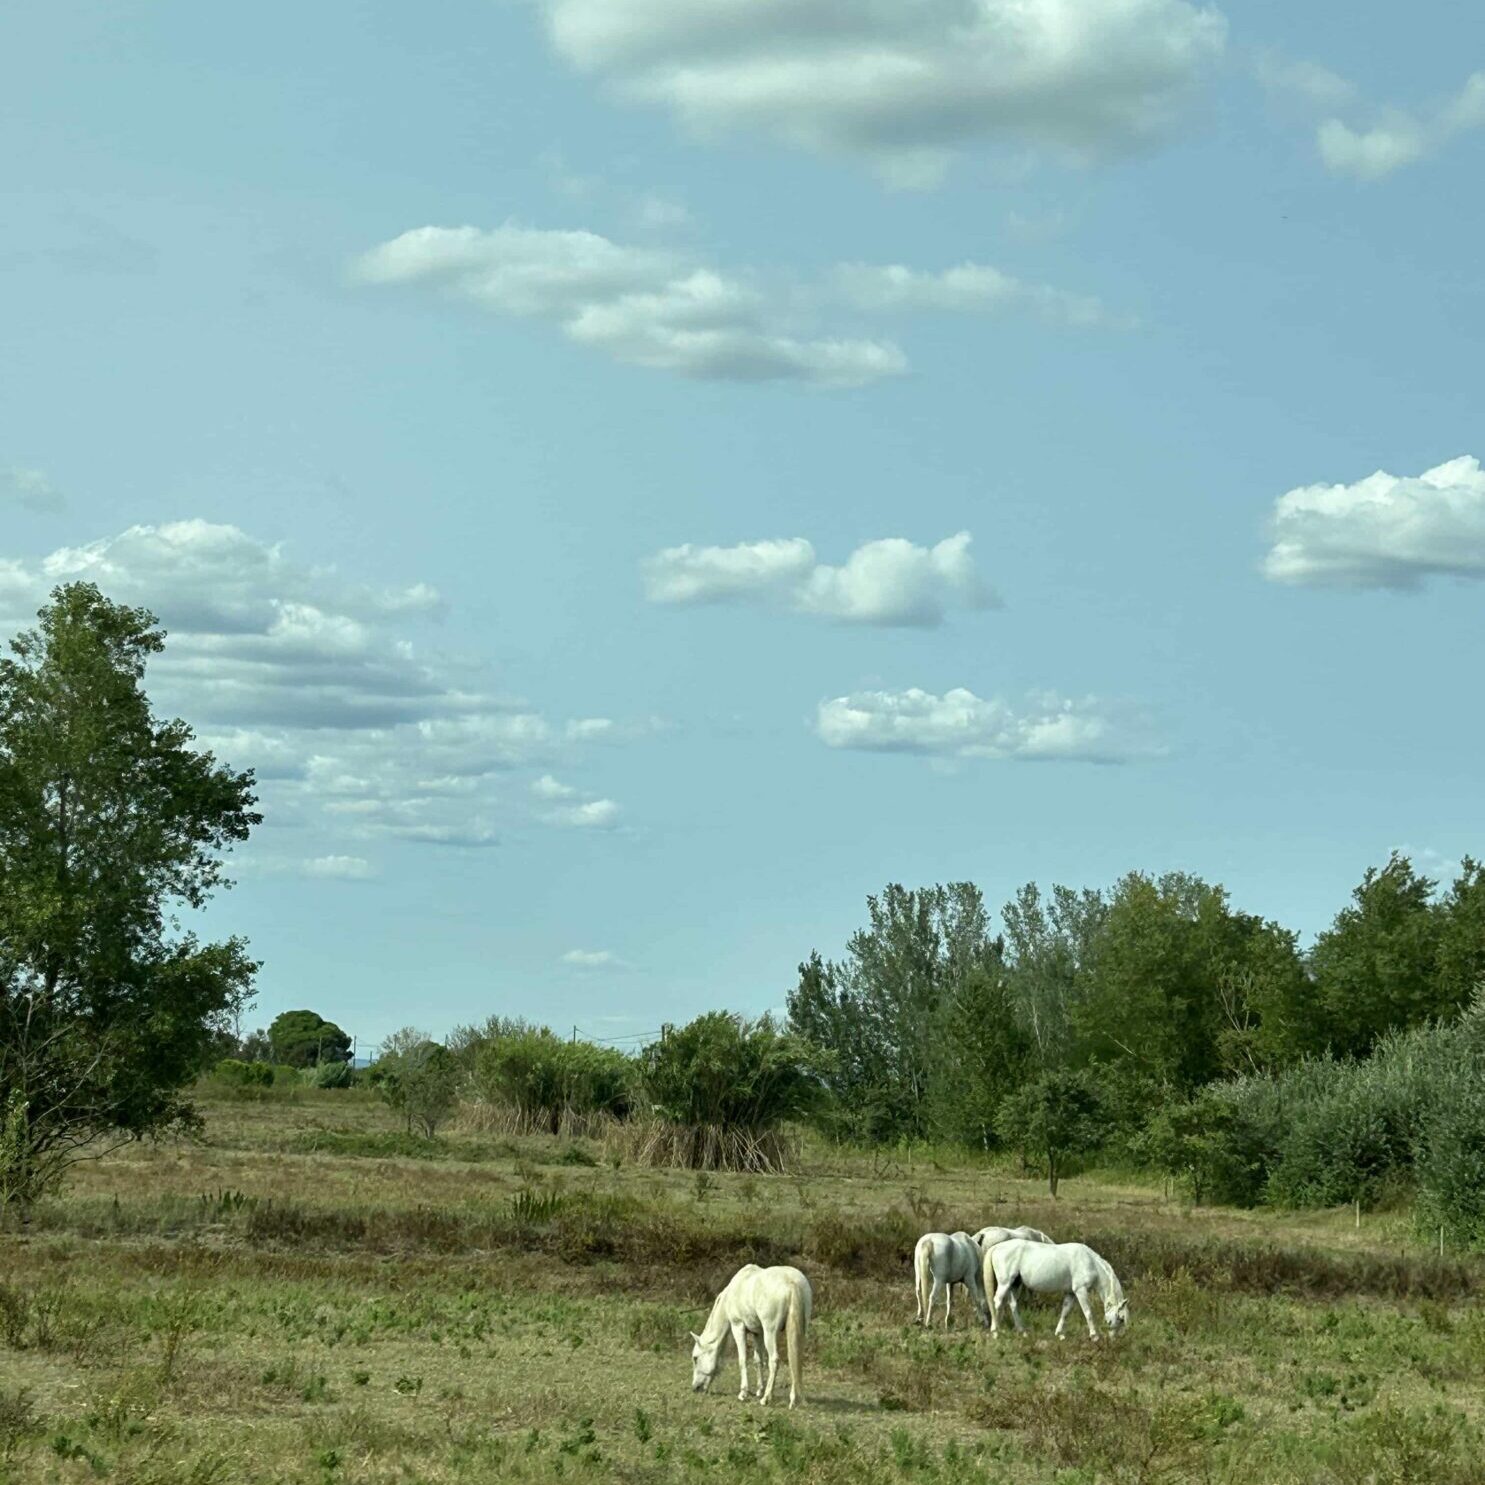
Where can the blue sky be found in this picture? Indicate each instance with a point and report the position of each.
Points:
(548, 430)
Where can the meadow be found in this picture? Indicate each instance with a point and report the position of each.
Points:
(309, 1294)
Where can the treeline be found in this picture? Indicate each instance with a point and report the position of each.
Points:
(1153, 1024)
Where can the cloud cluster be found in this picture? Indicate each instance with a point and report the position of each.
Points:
(902, 84)
(887, 582)
(960, 724)
(355, 730)
(643, 306)
(1385, 531)
(1396, 138)
(651, 307)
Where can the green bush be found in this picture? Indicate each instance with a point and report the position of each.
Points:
(1208, 1145)
(331, 1075)
(244, 1074)
(544, 1077)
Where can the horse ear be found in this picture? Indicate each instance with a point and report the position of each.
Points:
(694, 1336)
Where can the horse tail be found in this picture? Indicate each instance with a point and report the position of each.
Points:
(922, 1257)
(797, 1323)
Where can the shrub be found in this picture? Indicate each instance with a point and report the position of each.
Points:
(421, 1081)
(545, 1078)
(331, 1075)
(244, 1074)
(724, 1086)
(1208, 1146)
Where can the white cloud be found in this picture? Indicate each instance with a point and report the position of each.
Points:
(642, 306)
(960, 724)
(595, 814)
(968, 288)
(1400, 138)
(1385, 531)
(592, 959)
(1299, 81)
(887, 582)
(30, 488)
(357, 730)
(660, 214)
(341, 868)
(546, 787)
(903, 84)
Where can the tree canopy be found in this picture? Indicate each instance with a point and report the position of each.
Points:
(306, 1039)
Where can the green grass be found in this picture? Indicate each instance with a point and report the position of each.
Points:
(308, 1297)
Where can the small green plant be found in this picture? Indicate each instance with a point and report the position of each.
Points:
(703, 1185)
(531, 1207)
(643, 1429)
(18, 1421)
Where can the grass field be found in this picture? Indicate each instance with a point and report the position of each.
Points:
(309, 1295)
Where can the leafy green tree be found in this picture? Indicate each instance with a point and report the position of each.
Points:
(1052, 1119)
(1170, 954)
(1460, 966)
(1376, 968)
(110, 821)
(1050, 947)
(306, 1039)
(985, 1056)
(419, 1078)
(1207, 1146)
(881, 1011)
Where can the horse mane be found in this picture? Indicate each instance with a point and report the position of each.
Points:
(717, 1318)
(1109, 1280)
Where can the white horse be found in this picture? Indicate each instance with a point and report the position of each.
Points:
(1070, 1269)
(757, 1303)
(941, 1260)
(987, 1237)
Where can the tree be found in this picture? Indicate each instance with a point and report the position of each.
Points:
(1207, 1145)
(110, 820)
(881, 1011)
(1376, 966)
(420, 1078)
(1054, 1117)
(306, 1039)
(1460, 969)
(1164, 989)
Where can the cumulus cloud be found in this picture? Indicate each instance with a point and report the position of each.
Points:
(888, 582)
(546, 787)
(643, 306)
(1398, 137)
(31, 489)
(356, 725)
(1384, 531)
(960, 724)
(594, 814)
(592, 959)
(902, 85)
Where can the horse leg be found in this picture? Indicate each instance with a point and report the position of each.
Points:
(1068, 1301)
(948, 1302)
(1001, 1291)
(771, 1340)
(1016, 1314)
(740, 1340)
(1082, 1295)
(757, 1343)
(938, 1288)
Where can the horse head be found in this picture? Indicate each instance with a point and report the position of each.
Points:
(1116, 1314)
(705, 1362)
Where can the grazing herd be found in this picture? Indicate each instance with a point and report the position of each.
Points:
(997, 1262)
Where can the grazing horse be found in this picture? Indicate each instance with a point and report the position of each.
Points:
(987, 1237)
(1070, 1269)
(757, 1303)
(941, 1260)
